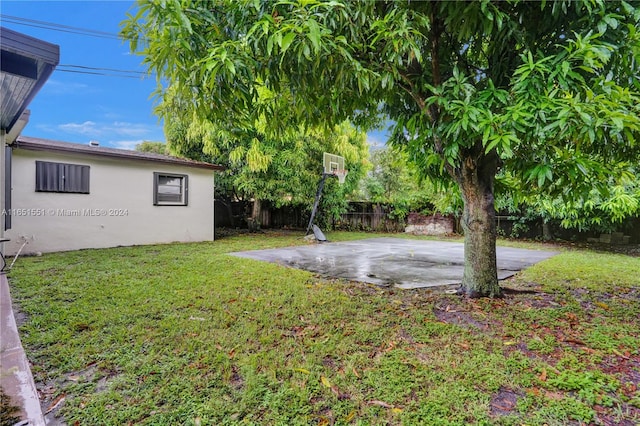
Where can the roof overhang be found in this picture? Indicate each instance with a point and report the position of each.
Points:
(25, 65)
(47, 145)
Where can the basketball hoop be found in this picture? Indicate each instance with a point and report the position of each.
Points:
(341, 175)
(333, 165)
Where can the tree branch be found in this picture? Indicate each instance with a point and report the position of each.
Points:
(437, 29)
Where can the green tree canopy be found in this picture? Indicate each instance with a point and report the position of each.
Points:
(601, 209)
(154, 147)
(280, 167)
(395, 181)
(545, 90)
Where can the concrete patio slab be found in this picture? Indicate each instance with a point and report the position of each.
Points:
(15, 372)
(398, 262)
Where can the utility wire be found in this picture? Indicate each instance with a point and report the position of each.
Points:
(100, 73)
(58, 27)
(77, 69)
(141, 73)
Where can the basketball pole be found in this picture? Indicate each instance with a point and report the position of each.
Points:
(317, 202)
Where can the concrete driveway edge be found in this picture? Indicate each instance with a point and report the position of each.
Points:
(15, 372)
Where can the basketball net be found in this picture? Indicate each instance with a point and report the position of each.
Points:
(341, 175)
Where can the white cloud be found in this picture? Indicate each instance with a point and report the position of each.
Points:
(116, 129)
(88, 128)
(110, 115)
(130, 129)
(57, 87)
(49, 128)
(131, 144)
(377, 139)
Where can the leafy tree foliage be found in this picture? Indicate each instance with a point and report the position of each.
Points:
(391, 176)
(547, 91)
(154, 147)
(598, 210)
(396, 182)
(282, 168)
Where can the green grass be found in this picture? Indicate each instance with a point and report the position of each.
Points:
(186, 334)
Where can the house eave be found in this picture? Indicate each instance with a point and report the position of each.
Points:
(36, 144)
(25, 66)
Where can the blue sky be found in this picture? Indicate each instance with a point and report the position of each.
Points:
(76, 107)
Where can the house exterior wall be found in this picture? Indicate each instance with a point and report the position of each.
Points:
(118, 211)
(2, 186)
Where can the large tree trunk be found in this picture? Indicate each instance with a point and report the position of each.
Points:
(476, 178)
(254, 220)
(547, 235)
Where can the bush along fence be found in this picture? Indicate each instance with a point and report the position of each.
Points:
(513, 226)
(364, 216)
(360, 216)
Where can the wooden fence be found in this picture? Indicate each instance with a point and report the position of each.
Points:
(360, 216)
(363, 216)
(368, 217)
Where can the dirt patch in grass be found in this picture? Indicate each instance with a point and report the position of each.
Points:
(628, 249)
(236, 380)
(567, 350)
(458, 314)
(504, 402)
(539, 300)
(626, 368)
(610, 420)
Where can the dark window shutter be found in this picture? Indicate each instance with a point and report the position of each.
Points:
(62, 177)
(46, 177)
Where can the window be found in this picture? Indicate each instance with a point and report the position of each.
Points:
(62, 177)
(169, 189)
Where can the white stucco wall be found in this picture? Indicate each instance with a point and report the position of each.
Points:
(119, 210)
(2, 184)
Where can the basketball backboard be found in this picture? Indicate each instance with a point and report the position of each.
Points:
(334, 165)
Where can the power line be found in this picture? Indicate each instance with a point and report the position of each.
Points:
(58, 27)
(81, 69)
(100, 73)
(77, 69)
(108, 72)
(142, 73)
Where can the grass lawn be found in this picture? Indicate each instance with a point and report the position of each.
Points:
(186, 334)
